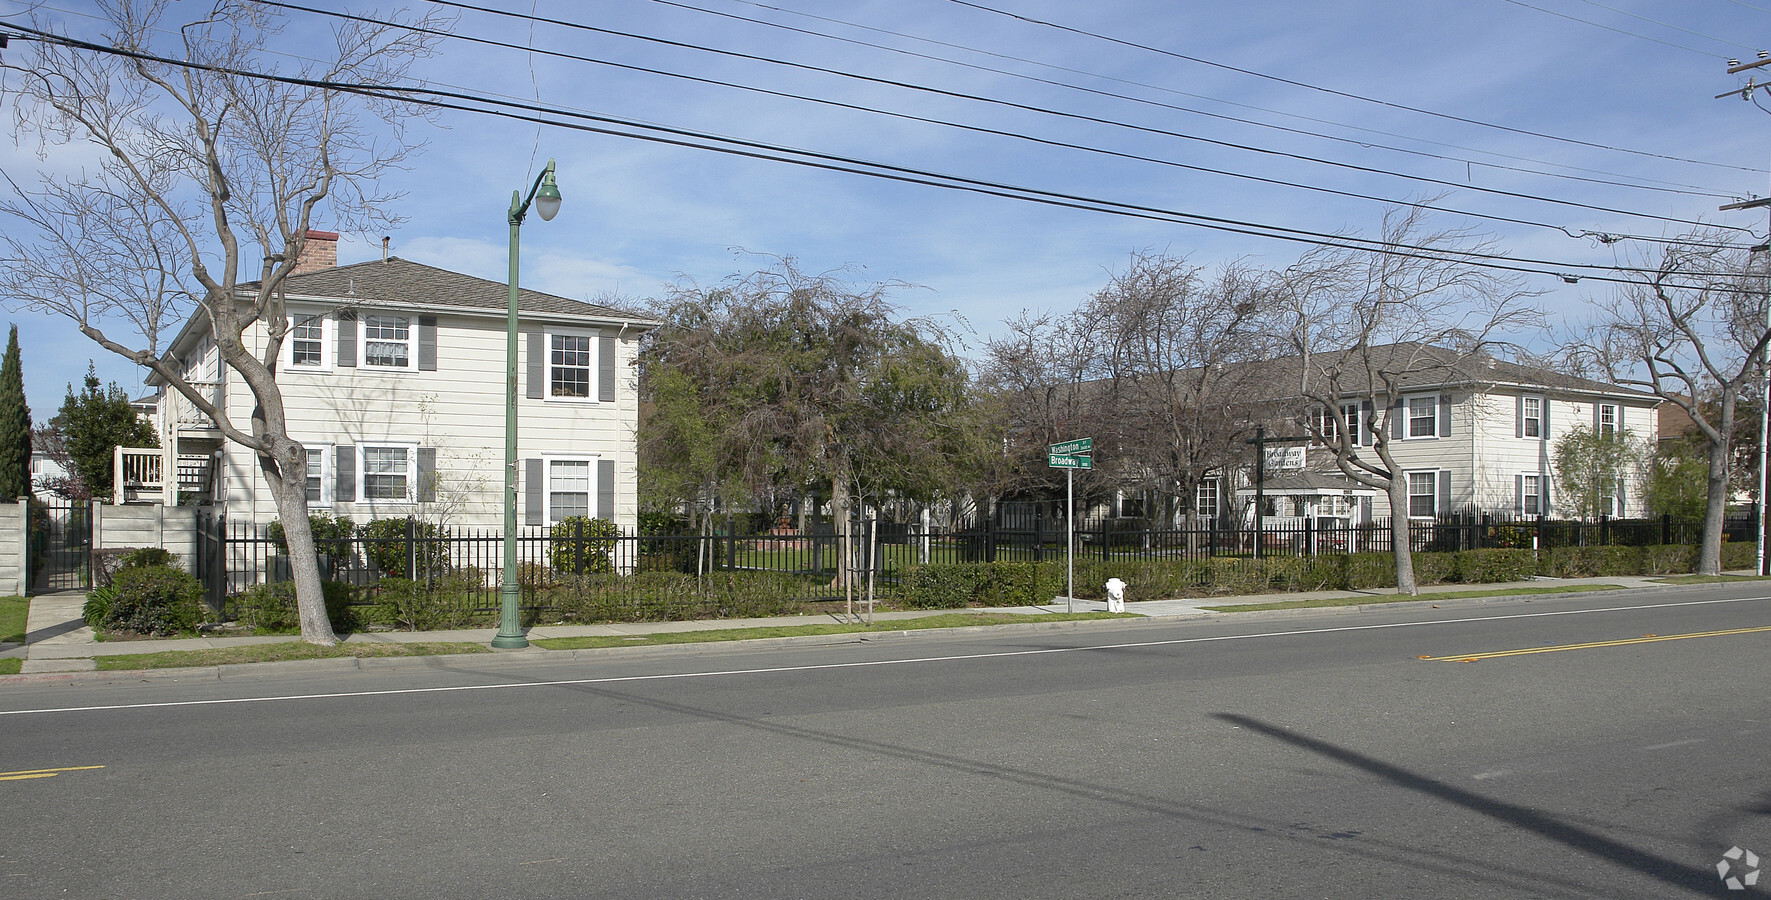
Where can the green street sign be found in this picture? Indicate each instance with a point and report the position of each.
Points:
(1065, 461)
(1071, 448)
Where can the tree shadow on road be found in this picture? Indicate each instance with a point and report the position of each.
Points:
(1701, 880)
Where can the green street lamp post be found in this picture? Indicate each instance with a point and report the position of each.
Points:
(546, 197)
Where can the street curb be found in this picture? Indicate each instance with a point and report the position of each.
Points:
(240, 671)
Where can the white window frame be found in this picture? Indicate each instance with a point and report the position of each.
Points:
(1529, 422)
(1350, 412)
(362, 451)
(1608, 428)
(363, 339)
(328, 342)
(1324, 423)
(1409, 418)
(594, 366)
(1212, 487)
(1432, 476)
(322, 452)
(547, 464)
(1532, 495)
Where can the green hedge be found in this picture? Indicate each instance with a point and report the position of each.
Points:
(270, 608)
(957, 585)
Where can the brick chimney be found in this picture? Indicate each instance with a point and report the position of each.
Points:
(319, 250)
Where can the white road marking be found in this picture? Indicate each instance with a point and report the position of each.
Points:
(1005, 654)
(1671, 744)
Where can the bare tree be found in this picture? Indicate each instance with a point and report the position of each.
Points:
(203, 149)
(1694, 334)
(1369, 324)
(1178, 344)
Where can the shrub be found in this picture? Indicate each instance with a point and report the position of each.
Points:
(943, 585)
(155, 600)
(142, 557)
(1675, 559)
(1370, 570)
(1495, 566)
(1736, 555)
(270, 608)
(674, 596)
(332, 540)
(97, 607)
(393, 545)
(448, 601)
(579, 545)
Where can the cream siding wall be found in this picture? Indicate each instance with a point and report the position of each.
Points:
(1448, 454)
(458, 410)
(1503, 454)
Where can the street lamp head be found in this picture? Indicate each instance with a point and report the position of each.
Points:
(547, 199)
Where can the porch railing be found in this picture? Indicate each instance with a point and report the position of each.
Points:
(137, 474)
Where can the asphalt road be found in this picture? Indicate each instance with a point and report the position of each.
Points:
(1251, 755)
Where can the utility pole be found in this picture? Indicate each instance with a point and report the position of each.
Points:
(1746, 93)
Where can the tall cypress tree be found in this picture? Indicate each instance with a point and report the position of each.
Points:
(15, 426)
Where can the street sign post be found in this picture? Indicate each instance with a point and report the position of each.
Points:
(1070, 456)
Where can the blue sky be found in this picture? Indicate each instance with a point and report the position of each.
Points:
(1627, 86)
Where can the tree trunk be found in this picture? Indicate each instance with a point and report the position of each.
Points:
(839, 517)
(1709, 553)
(1399, 537)
(289, 486)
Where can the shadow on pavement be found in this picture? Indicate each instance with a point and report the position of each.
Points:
(1665, 870)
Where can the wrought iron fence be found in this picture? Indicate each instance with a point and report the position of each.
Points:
(234, 556)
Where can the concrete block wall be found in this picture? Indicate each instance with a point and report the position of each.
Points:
(147, 525)
(15, 554)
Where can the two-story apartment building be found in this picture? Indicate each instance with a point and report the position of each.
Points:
(1476, 433)
(393, 375)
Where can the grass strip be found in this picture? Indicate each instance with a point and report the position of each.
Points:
(257, 653)
(1368, 599)
(12, 619)
(11, 666)
(1710, 579)
(939, 620)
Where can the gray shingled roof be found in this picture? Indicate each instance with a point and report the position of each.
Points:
(1420, 366)
(403, 282)
(1308, 481)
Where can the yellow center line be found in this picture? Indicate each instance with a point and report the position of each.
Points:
(22, 774)
(1646, 639)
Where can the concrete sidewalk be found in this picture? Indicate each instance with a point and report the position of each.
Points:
(58, 639)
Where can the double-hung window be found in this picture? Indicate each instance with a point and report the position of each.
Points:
(1322, 422)
(568, 489)
(1607, 418)
(1423, 416)
(1205, 498)
(309, 340)
(1423, 495)
(388, 341)
(386, 472)
(1531, 417)
(1531, 499)
(571, 360)
(319, 475)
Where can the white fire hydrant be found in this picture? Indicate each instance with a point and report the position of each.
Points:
(1115, 595)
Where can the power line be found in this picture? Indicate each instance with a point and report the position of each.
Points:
(1367, 170)
(1636, 182)
(1344, 94)
(1572, 18)
(1607, 237)
(812, 159)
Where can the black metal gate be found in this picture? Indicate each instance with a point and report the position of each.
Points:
(61, 546)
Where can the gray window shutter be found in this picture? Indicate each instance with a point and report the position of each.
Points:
(1398, 419)
(1444, 492)
(1596, 405)
(1365, 423)
(427, 343)
(605, 375)
(605, 489)
(534, 492)
(1445, 415)
(1620, 417)
(1519, 494)
(1519, 419)
(1365, 506)
(1543, 494)
(344, 471)
(1545, 427)
(537, 364)
(347, 339)
(427, 474)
